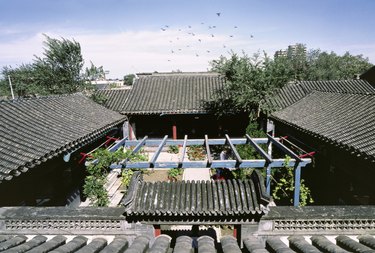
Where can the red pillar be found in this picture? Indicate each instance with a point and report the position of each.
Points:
(174, 131)
(130, 132)
(157, 230)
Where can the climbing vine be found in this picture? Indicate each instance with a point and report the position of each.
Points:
(284, 186)
(98, 169)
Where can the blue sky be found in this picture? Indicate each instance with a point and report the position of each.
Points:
(133, 36)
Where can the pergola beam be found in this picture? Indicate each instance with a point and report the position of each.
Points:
(268, 163)
(139, 145)
(255, 145)
(183, 152)
(190, 142)
(234, 150)
(208, 151)
(215, 164)
(157, 152)
(283, 148)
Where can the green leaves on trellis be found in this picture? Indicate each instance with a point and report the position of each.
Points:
(94, 187)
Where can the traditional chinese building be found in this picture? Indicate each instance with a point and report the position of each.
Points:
(40, 145)
(334, 120)
(175, 104)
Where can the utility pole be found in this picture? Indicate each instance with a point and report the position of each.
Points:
(11, 88)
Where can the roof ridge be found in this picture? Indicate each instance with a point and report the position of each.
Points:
(21, 99)
(177, 74)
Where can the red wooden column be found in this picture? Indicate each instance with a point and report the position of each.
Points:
(130, 132)
(174, 131)
(157, 230)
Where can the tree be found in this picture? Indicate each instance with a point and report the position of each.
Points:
(94, 73)
(58, 71)
(22, 79)
(249, 80)
(330, 66)
(128, 79)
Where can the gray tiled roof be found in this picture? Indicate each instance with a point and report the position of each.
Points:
(116, 98)
(172, 93)
(347, 120)
(311, 244)
(101, 229)
(35, 130)
(293, 92)
(185, 244)
(197, 198)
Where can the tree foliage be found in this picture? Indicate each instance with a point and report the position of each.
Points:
(128, 79)
(94, 186)
(57, 71)
(251, 79)
(94, 73)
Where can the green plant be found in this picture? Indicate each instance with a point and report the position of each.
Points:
(196, 153)
(126, 176)
(284, 187)
(174, 173)
(128, 173)
(99, 98)
(173, 149)
(94, 186)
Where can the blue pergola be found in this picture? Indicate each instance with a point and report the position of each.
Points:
(266, 163)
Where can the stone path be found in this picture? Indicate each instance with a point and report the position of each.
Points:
(196, 174)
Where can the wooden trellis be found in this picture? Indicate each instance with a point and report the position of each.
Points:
(267, 162)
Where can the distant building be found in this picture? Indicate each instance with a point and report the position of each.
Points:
(293, 51)
(107, 84)
(280, 53)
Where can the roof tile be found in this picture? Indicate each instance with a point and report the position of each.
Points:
(35, 130)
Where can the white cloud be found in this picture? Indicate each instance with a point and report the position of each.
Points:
(146, 51)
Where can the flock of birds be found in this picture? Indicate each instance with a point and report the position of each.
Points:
(192, 40)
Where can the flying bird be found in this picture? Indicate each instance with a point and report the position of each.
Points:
(235, 26)
(202, 23)
(208, 51)
(172, 51)
(166, 26)
(231, 36)
(218, 14)
(197, 55)
(251, 36)
(163, 29)
(212, 35)
(199, 40)
(224, 46)
(189, 26)
(214, 26)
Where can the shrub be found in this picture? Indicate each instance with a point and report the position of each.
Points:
(173, 149)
